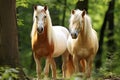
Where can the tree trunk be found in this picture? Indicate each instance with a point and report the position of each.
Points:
(109, 17)
(64, 12)
(111, 42)
(98, 61)
(8, 35)
(82, 4)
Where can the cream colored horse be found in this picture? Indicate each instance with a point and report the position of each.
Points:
(47, 41)
(83, 42)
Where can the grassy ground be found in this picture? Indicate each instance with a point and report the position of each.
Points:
(7, 73)
(103, 74)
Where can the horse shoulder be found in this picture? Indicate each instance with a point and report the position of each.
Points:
(93, 41)
(96, 44)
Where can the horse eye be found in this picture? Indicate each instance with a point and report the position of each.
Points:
(44, 16)
(36, 17)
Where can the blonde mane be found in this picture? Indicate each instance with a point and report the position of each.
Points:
(88, 25)
(49, 25)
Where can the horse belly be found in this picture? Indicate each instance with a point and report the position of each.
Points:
(59, 51)
(60, 43)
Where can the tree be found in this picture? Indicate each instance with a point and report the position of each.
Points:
(9, 35)
(64, 13)
(82, 4)
(109, 17)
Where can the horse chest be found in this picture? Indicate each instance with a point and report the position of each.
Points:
(43, 48)
(81, 50)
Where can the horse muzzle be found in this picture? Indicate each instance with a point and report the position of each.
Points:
(74, 35)
(40, 30)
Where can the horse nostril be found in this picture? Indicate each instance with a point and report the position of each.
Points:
(74, 35)
(39, 30)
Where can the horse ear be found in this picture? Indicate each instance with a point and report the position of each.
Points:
(35, 7)
(73, 11)
(45, 7)
(83, 13)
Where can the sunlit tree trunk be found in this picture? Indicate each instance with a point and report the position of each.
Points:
(8, 35)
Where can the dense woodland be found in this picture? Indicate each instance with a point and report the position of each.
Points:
(16, 19)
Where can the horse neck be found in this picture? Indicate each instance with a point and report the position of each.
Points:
(87, 27)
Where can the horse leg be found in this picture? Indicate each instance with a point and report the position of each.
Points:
(38, 65)
(68, 67)
(89, 67)
(76, 63)
(46, 69)
(53, 67)
(64, 59)
(82, 62)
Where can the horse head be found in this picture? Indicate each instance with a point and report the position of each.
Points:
(40, 17)
(76, 22)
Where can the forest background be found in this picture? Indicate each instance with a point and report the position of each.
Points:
(105, 20)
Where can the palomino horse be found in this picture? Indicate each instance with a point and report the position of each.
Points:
(47, 41)
(83, 42)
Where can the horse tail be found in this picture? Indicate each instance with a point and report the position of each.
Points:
(69, 67)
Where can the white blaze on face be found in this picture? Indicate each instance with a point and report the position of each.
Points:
(40, 20)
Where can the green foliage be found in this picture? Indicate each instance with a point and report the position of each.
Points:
(7, 73)
(97, 9)
(22, 3)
